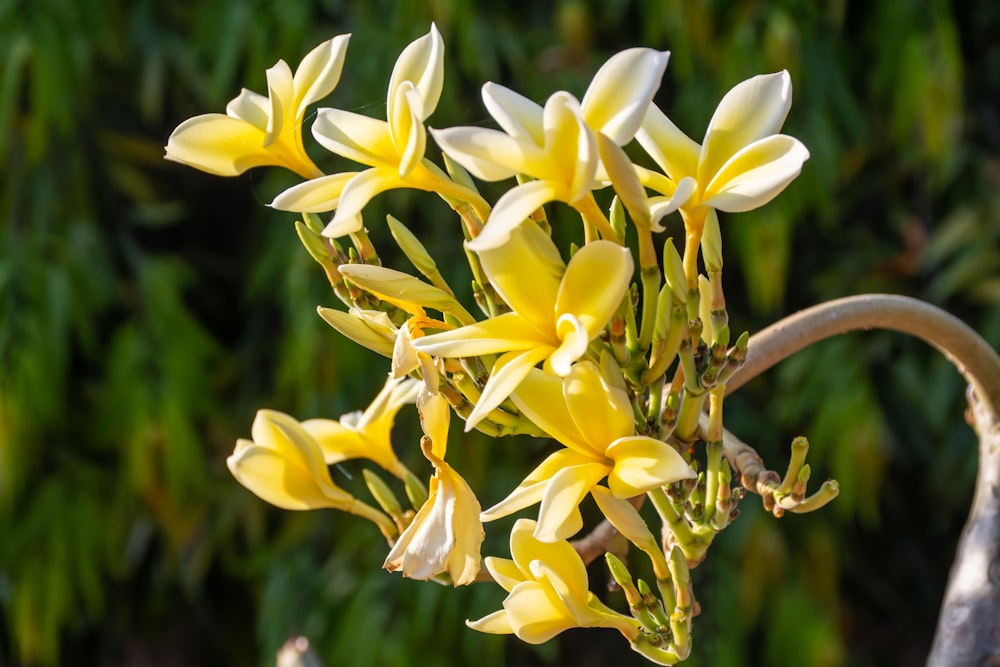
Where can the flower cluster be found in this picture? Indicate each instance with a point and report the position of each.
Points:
(617, 352)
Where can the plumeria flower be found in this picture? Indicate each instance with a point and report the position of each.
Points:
(555, 145)
(593, 419)
(547, 588)
(260, 131)
(366, 435)
(556, 310)
(742, 163)
(284, 465)
(393, 150)
(446, 534)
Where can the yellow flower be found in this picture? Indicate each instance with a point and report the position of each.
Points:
(446, 533)
(284, 466)
(260, 131)
(547, 590)
(557, 310)
(593, 419)
(366, 434)
(555, 145)
(741, 165)
(393, 150)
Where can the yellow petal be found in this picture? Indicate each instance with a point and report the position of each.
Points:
(535, 613)
(435, 418)
(575, 340)
(319, 72)
(407, 128)
(756, 174)
(507, 373)
(525, 549)
(642, 463)
(402, 289)
(504, 571)
(601, 412)
(505, 332)
(539, 397)
(512, 210)
(356, 137)
(571, 155)
(529, 491)
(623, 516)
(252, 107)
(487, 154)
(422, 63)
(752, 110)
(314, 196)
(516, 114)
(219, 145)
(603, 261)
(559, 515)
(496, 623)
(361, 189)
(280, 93)
(675, 153)
(616, 100)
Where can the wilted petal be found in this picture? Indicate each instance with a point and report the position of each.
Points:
(319, 72)
(314, 196)
(422, 63)
(516, 114)
(756, 174)
(643, 463)
(752, 110)
(616, 101)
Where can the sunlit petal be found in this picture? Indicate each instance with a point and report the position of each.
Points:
(496, 623)
(530, 490)
(504, 571)
(422, 63)
(643, 463)
(607, 262)
(616, 101)
(487, 154)
(362, 188)
(319, 72)
(670, 148)
(752, 110)
(536, 615)
(756, 174)
(513, 208)
(407, 128)
(252, 107)
(356, 137)
(505, 332)
(539, 397)
(516, 114)
(314, 196)
(507, 373)
(559, 515)
(280, 92)
(600, 411)
(574, 339)
(218, 144)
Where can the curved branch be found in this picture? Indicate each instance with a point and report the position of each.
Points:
(967, 632)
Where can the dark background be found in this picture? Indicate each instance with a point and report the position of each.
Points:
(147, 310)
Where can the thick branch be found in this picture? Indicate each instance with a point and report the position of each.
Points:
(968, 632)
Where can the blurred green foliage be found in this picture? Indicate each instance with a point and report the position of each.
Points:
(146, 311)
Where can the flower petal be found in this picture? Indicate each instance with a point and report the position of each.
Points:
(219, 145)
(616, 101)
(559, 516)
(373, 330)
(280, 92)
(496, 623)
(513, 208)
(317, 195)
(507, 373)
(675, 153)
(535, 613)
(539, 397)
(756, 174)
(252, 107)
(487, 154)
(407, 128)
(601, 412)
(319, 72)
(504, 571)
(574, 339)
(602, 262)
(752, 110)
(643, 463)
(362, 188)
(516, 114)
(422, 63)
(356, 137)
(502, 333)
(531, 489)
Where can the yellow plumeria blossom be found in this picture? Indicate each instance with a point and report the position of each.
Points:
(260, 131)
(366, 435)
(393, 150)
(557, 310)
(284, 466)
(593, 418)
(547, 588)
(742, 163)
(555, 145)
(446, 534)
